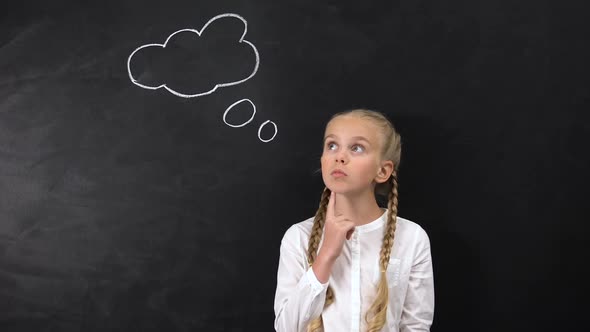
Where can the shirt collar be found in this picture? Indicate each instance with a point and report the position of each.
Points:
(373, 225)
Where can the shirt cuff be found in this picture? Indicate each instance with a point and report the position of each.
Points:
(315, 284)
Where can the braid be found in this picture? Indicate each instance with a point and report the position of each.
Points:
(318, 226)
(312, 251)
(391, 223)
(378, 309)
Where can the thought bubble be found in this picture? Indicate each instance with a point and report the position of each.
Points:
(188, 60)
(260, 131)
(234, 105)
(252, 108)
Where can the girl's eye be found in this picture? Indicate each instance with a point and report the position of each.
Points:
(358, 148)
(331, 146)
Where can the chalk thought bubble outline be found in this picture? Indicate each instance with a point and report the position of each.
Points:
(232, 106)
(260, 130)
(250, 120)
(179, 94)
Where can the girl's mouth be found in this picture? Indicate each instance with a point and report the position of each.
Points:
(338, 173)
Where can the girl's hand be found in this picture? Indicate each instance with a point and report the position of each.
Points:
(336, 229)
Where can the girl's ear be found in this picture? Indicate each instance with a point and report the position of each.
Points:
(384, 171)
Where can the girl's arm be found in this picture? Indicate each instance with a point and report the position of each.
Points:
(418, 311)
(301, 291)
(299, 296)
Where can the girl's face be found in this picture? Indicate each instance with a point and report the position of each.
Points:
(351, 158)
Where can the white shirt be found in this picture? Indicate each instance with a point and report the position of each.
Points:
(355, 275)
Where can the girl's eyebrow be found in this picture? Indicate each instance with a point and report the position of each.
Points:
(361, 138)
(329, 136)
(354, 138)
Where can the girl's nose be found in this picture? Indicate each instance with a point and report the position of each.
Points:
(341, 158)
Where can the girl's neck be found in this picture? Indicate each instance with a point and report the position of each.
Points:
(361, 208)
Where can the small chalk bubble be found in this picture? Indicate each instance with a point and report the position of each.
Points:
(260, 131)
(232, 106)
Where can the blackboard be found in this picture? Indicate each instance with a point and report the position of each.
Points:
(127, 207)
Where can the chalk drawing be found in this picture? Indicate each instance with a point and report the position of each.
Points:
(250, 120)
(219, 85)
(232, 106)
(198, 32)
(260, 129)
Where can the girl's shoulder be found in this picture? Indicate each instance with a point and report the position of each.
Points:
(407, 224)
(300, 231)
(410, 230)
(296, 239)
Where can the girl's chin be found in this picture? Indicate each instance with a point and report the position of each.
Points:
(345, 189)
(341, 190)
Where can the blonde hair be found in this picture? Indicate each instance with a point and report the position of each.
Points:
(391, 150)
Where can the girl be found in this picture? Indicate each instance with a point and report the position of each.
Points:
(355, 266)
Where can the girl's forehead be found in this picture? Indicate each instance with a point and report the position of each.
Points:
(347, 125)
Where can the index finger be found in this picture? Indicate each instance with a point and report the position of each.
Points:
(331, 202)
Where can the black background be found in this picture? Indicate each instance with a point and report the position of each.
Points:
(127, 209)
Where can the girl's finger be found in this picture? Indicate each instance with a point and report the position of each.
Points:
(331, 202)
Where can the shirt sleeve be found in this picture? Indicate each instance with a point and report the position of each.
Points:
(299, 297)
(418, 310)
